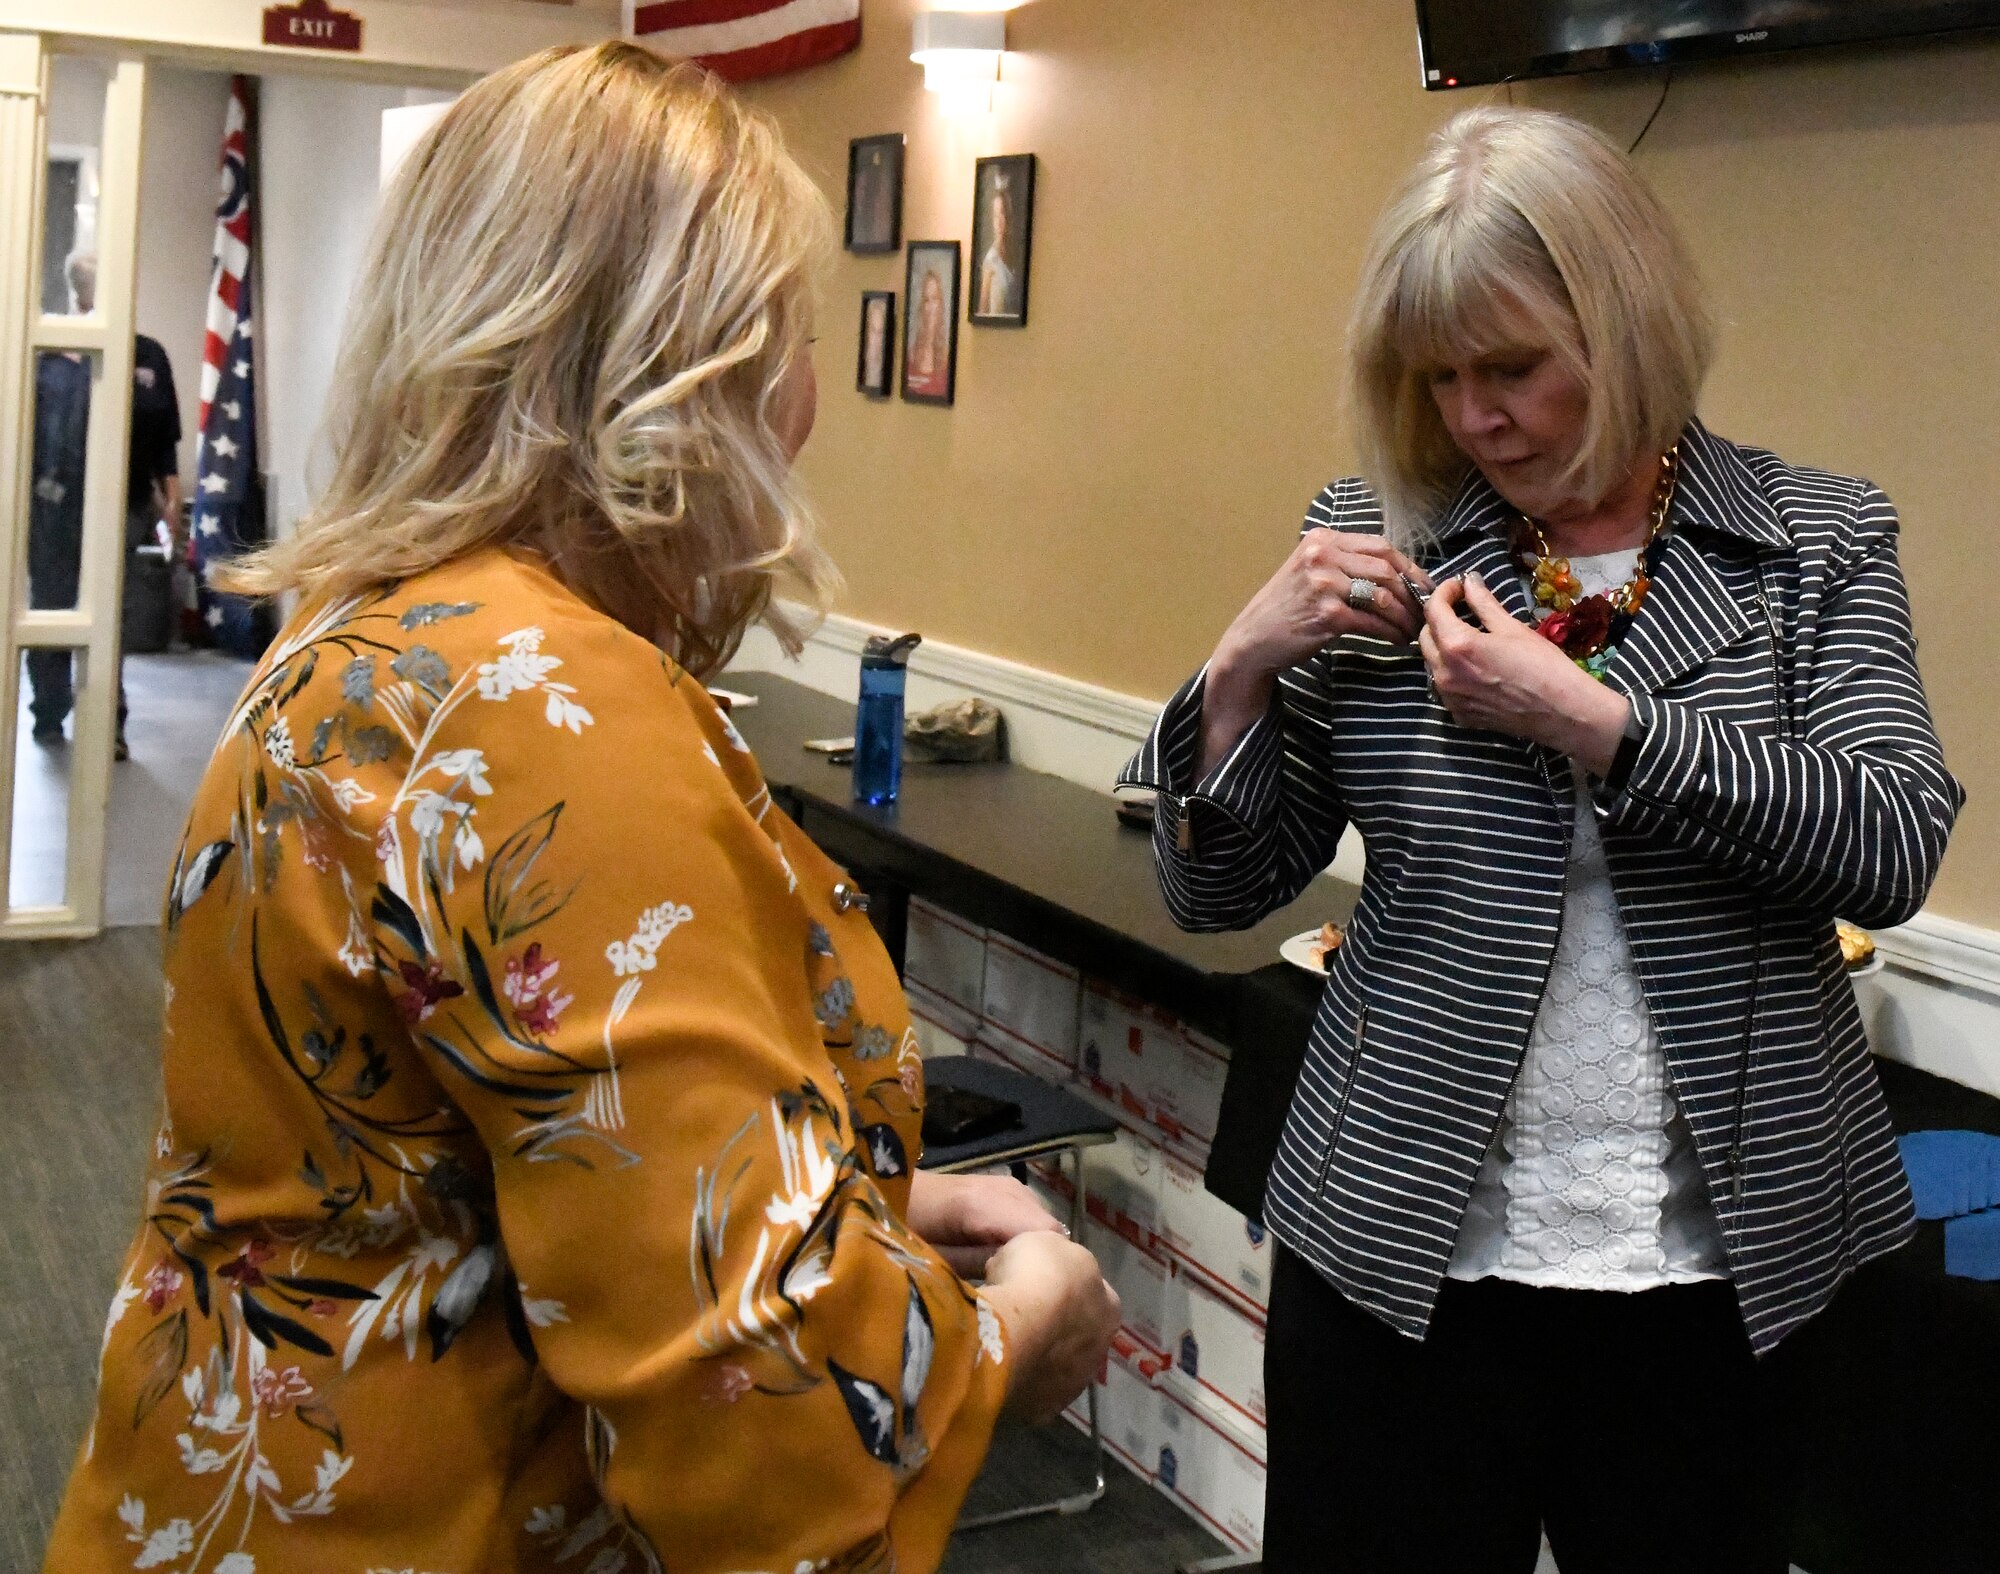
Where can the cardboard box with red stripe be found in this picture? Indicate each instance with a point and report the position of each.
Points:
(1209, 1465)
(1030, 999)
(1211, 1242)
(1217, 1347)
(941, 1027)
(945, 954)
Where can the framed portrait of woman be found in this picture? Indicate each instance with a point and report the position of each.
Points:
(1003, 222)
(930, 322)
(875, 193)
(875, 367)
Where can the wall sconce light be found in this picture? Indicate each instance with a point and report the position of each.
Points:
(960, 53)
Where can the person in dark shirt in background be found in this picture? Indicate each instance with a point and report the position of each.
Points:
(55, 524)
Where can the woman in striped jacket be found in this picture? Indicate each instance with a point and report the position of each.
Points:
(1625, 715)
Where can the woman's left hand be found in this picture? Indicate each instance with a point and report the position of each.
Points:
(1501, 676)
(970, 1217)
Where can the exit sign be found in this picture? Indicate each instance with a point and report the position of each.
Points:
(312, 24)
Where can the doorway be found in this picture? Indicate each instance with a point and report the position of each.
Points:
(98, 774)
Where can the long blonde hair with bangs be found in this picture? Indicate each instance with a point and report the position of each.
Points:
(1521, 228)
(586, 286)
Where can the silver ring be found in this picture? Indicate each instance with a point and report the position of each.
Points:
(1361, 594)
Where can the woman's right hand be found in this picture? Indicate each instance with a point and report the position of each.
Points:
(1059, 1315)
(1301, 609)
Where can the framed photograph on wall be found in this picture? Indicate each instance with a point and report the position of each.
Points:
(1003, 223)
(875, 365)
(930, 322)
(875, 193)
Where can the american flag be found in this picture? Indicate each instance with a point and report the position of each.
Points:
(228, 492)
(744, 39)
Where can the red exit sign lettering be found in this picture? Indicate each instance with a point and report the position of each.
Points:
(312, 24)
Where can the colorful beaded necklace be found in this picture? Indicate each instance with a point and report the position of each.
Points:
(1589, 628)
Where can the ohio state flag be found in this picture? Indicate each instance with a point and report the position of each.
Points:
(744, 39)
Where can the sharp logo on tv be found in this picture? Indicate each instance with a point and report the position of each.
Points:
(1753, 38)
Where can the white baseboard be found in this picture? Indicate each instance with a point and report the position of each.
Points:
(1074, 730)
(1936, 1005)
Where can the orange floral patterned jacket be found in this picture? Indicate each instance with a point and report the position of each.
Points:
(538, 1136)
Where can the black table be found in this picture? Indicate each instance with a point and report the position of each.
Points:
(1037, 858)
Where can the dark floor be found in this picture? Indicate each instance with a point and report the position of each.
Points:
(79, 1091)
(79, 1085)
(1131, 1530)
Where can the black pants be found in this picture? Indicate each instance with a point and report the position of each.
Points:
(55, 560)
(1634, 1428)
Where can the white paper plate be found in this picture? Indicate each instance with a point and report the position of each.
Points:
(1299, 952)
(1869, 968)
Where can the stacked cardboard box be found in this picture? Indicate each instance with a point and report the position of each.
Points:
(1212, 1244)
(1188, 1431)
(941, 1027)
(1161, 1079)
(1028, 1009)
(1181, 1401)
(1211, 1466)
(945, 956)
(1128, 1413)
(1218, 1353)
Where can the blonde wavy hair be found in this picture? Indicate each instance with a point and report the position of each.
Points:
(585, 290)
(1521, 228)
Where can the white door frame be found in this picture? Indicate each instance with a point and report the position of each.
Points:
(104, 338)
(407, 41)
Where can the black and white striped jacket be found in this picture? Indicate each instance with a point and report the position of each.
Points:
(1788, 773)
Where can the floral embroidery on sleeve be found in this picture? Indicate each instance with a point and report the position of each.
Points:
(754, 1331)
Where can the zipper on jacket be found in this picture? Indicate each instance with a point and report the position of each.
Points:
(1346, 1093)
(1746, 1062)
(1780, 688)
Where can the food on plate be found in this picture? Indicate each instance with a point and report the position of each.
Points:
(1325, 943)
(1857, 949)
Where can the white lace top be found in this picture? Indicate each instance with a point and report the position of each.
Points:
(1592, 1180)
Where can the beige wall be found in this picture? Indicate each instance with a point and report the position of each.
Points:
(1117, 477)
(321, 171)
(177, 196)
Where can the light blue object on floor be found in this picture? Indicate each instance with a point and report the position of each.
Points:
(1952, 1173)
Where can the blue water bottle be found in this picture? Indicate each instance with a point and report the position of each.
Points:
(878, 718)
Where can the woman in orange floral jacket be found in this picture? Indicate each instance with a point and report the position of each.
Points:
(536, 1189)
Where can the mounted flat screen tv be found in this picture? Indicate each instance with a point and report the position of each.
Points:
(1466, 42)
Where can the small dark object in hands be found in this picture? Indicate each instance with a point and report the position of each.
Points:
(955, 1115)
(1422, 597)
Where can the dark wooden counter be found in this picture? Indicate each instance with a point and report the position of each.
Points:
(1031, 855)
